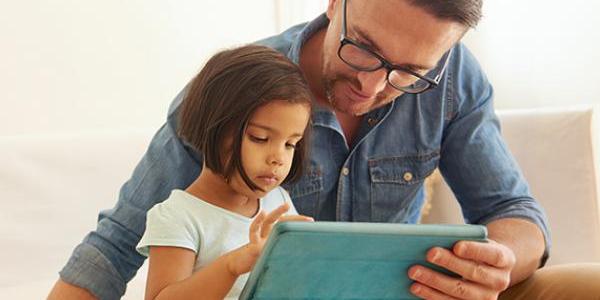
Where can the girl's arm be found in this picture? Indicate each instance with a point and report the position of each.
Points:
(170, 272)
(170, 276)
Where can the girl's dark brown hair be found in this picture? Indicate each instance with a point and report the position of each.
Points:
(224, 95)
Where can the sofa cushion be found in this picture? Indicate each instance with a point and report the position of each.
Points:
(558, 153)
(53, 187)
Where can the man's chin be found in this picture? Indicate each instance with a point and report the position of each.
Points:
(355, 109)
(345, 105)
(353, 112)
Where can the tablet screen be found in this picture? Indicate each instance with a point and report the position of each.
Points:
(339, 260)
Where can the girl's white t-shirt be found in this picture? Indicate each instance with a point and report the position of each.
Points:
(210, 231)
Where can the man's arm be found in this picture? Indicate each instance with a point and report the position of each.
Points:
(106, 259)
(513, 253)
(63, 290)
(491, 190)
(526, 241)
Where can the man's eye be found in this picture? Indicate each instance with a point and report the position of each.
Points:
(257, 139)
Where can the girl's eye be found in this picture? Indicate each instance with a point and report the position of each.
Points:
(257, 139)
(291, 146)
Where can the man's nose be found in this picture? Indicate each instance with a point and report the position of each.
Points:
(371, 83)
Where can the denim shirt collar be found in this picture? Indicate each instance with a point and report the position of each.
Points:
(322, 116)
(308, 31)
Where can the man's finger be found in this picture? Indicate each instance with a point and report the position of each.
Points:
(451, 286)
(491, 253)
(425, 292)
(474, 271)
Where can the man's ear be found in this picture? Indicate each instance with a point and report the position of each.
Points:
(331, 8)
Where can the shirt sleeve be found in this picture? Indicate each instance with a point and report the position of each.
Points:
(288, 199)
(475, 160)
(107, 258)
(169, 225)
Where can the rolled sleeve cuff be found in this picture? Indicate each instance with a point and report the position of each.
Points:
(88, 268)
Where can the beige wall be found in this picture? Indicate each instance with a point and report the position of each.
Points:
(105, 65)
(540, 53)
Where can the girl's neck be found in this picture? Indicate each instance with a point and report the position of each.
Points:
(213, 188)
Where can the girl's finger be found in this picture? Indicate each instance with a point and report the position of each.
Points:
(255, 226)
(300, 218)
(267, 225)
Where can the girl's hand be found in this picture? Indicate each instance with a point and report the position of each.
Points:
(243, 259)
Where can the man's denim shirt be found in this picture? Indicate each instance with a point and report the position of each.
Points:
(377, 179)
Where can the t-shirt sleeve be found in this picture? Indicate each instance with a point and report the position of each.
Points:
(167, 224)
(288, 199)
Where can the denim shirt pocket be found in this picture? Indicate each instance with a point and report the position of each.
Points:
(395, 183)
(306, 191)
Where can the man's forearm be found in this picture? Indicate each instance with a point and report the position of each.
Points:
(525, 239)
(63, 290)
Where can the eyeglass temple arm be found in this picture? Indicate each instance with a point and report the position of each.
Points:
(439, 76)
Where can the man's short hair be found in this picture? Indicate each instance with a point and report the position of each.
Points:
(465, 12)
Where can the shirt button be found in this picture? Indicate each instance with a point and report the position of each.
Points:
(371, 121)
(408, 176)
(345, 171)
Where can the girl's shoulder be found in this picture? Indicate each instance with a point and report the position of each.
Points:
(185, 209)
(177, 203)
(172, 223)
(275, 198)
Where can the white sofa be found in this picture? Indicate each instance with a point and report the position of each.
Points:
(52, 188)
(558, 153)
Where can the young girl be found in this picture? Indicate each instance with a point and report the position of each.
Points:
(247, 112)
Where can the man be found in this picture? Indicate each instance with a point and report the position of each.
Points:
(397, 96)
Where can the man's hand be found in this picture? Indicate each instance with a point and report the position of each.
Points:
(485, 269)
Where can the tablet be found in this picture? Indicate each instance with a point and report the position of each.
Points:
(345, 260)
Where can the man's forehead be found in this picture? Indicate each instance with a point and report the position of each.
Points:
(366, 39)
(394, 28)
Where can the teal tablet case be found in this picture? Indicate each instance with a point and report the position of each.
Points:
(340, 260)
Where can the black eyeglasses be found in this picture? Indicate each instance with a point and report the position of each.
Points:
(361, 58)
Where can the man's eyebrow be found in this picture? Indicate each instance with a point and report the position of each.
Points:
(267, 128)
(366, 39)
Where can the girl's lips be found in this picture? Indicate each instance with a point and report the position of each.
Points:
(269, 180)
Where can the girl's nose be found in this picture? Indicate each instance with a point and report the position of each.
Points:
(275, 158)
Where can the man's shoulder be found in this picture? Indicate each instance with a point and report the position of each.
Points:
(283, 41)
(467, 85)
(463, 61)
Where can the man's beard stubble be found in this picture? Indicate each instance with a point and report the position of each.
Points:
(381, 98)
